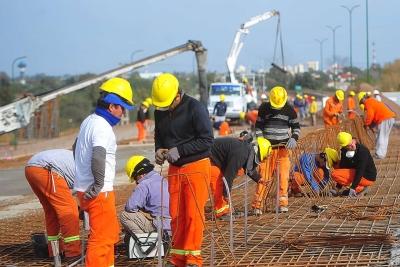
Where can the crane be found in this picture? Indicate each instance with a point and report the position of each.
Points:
(18, 113)
(237, 45)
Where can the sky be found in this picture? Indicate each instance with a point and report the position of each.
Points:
(93, 36)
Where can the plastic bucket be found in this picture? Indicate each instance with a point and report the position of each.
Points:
(39, 243)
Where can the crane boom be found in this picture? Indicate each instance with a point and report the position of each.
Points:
(237, 45)
(17, 114)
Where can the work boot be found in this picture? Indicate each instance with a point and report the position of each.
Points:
(235, 215)
(283, 209)
(257, 212)
(170, 264)
(364, 191)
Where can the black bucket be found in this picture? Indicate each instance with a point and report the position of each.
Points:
(39, 243)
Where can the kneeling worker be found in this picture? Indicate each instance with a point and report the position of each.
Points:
(149, 198)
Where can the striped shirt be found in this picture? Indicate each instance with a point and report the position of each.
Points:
(275, 124)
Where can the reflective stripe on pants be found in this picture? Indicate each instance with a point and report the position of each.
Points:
(221, 207)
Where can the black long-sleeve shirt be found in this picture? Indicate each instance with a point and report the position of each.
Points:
(230, 155)
(141, 116)
(187, 128)
(221, 108)
(362, 162)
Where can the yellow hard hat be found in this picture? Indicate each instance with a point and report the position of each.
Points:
(137, 165)
(332, 157)
(264, 148)
(278, 97)
(313, 97)
(344, 139)
(242, 115)
(361, 95)
(222, 97)
(149, 100)
(164, 90)
(339, 94)
(121, 88)
(305, 95)
(245, 80)
(146, 104)
(300, 97)
(352, 93)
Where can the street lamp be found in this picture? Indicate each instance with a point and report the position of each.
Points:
(334, 54)
(134, 52)
(351, 43)
(366, 9)
(320, 51)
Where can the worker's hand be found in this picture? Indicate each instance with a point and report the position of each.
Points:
(92, 192)
(291, 144)
(160, 156)
(173, 155)
(352, 193)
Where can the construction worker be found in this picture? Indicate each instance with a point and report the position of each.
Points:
(149, 198)
(147, 113)
(228, 156)
(249, 89)
(306, 101)
(357, 171)
(221, 108)
(313, 111)
(376, 95)
(264, 98)
(333, 108)
(275, 120)
(141, 120)
(94, 150)
(51, 175)
(183, 136)
(250, 117)
(251, 105)
(246, 136)
(380, 116)
(351, 106)
(313, 169)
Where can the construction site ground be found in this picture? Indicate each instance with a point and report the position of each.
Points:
(345, 232)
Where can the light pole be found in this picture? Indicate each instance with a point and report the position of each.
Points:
(134, 52)
(321, 56)
(334, 54)
(351, 42)
(14, 94)
(366, 8)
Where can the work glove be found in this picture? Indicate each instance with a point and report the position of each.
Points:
(291, 144)
(173, 155)
(160, 156)
(92, 192)
(352, 193)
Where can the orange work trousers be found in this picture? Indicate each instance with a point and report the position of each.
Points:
(330, 120)
(221, 206)
(104, 229)
(271, 161)
(351, 115)
(141, 131)
(188, 190)
(224, 129)
(345, 178)
(299, 180)
(60, 209)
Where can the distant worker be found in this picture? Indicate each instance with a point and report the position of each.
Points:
(95, 150)
(221, 108)
(264, 99)
(381, 116)
(147, 114)
(228, 156)
(184, 137)
(306, 101)
(250, 118)
(51, 175)
(333, 108)
(376, 95)
(313, 111)
(275, 120)
(149, 198)
(251, 105)
(249, 89)
(351, 106)
(141, 120)
(357, 171)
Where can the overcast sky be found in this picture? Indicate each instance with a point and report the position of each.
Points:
(76, 36)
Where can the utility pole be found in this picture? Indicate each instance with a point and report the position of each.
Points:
(334, 54)
(366, 8)
(321, 58)
(351, 42)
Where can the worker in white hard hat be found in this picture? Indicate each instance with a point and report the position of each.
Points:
(264, 98)
(376, 95)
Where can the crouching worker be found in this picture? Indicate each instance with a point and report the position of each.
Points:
(313, 171)
(149, 198)
(357, 171)
(228, 156)
(51, 175)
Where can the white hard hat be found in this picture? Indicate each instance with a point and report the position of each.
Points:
(376, 92)
(263, 96)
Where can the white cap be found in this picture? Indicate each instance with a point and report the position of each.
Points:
(263, 96)
(376, 92)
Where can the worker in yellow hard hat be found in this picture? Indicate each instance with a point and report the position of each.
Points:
(141, 120)
(313, 111)
(275, 121)
(357, 171)
(351, 106)
(333, 108)
(249, 89)
(220, 109)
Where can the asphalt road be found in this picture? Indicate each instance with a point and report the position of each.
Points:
(13, 182)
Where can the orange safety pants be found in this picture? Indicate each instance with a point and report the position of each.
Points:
(260, 193)
(104, 229)
(345, 178)
(188, 196)
(299, 180)
(224, 129)
(60, 209)
(141, 131)
(330, 120)
(221, 206)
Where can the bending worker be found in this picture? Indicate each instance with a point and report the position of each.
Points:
(351, 105)
(228, 156)
(94, 150)
(51, 175)
(149, 198)
(221, 108)
(183, 136)
(380, 115)
(357, 171)
(275, 120)
(333, 108)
